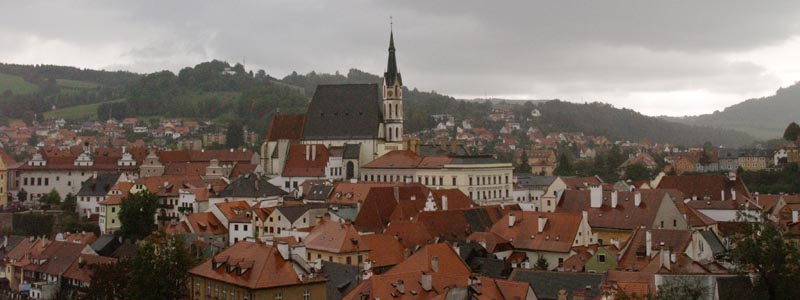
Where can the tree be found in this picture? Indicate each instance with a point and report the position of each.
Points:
(524, 167)
(160, 269)
(137, 215)
(541, 264)
(681, 288)
(759, 249)
(22, 195)
(52, 198)
(564, 167)
(70, 203)
(234, 137)
(792, 132)
(637, 172)
(108, 282)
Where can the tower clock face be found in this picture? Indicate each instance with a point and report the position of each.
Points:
(389, 93)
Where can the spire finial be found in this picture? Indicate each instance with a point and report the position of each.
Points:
(391, 24)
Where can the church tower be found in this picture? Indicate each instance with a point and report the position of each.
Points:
(392, 97)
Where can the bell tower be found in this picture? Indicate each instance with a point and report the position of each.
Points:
(392, 97)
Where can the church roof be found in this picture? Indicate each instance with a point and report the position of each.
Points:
(344, 111)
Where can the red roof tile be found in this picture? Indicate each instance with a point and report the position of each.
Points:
(306, 161)
(286, 127)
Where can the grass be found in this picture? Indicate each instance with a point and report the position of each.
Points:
(79, 112)
(16, 84)
(74, 86)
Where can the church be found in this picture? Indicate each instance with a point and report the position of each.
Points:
(346, 126)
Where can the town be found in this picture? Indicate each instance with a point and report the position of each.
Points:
(344, 201)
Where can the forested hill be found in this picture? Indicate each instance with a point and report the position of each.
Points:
(38, 73)
(763, 118)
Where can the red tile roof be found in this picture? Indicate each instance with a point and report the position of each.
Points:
(286, 127)
(558, 235)
(407, 159)
(576, 183)
(205, 222)
(262, 264)
(83, 268)
(626, 216)
(708, 189)
(301, 163)
(235, 211)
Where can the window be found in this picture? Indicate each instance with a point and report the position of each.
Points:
(454, 180)
(236, 227)
(306, 295)
(662, 223)
(278, 296)
(360, 259)
(245, 227)
(674, 223)
(39, 181)
(113, 209)
(601, 258)
(349, 260)
(286, 184)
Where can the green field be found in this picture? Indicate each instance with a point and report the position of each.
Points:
(80, 112)
(16, 84)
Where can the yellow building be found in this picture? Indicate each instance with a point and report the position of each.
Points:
(109, 209)
(5, 160)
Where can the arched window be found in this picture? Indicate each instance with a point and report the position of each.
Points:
(350, 169)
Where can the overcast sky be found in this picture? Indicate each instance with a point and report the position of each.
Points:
(657, 57)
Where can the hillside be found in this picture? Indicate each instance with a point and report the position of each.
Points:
(763, 118)
(16, 85)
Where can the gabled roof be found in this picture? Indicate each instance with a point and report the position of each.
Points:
(286, 127)
(262, 266)
(82, 269)
(306, 161)
(634, 254)
(293, 212)
(453, 225)
(576, 183)
(344, 111)
(558, 235)
(334, 237)
(251, 186)
(708, 188)
(547, 285)
(235, 211)
(98, 185)
(205, 222)
(626, 216)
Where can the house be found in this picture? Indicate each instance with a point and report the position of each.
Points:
(341, 243)
(253, 188)
(549, 235)
(255, 270)
(642, 158)
(485, 179)
(718, 197)
(93, 191)
(284, 220)
(436, 272)
(728, 159)
(669, 251)
(615, 215)
(561, 285)
(5, 161)
(528, 190)
(236, 217)
(79, 275)
(110, 207)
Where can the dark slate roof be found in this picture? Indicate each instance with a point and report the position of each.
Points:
(351, 151)
(727, 153)
(98, 185)
(716, 245)
(533, 180)
(126, 250)
(251, 186)
(292, 212)
(434, 150)
(344, 111)
(490, 267)
(475, 160)
(319, 192)
(740, 287)
(547, 284)
(342, 279)
(105, 244)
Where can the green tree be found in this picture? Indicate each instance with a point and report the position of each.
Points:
(637, 172)
(70, 203)
(108, 282)
(792, 132)
(234, 137)
(160, 269)
(564, 167)
(52, 198)
(524, 167)
(541, 264)
(137, 215)
(759, 248)
(22, 195)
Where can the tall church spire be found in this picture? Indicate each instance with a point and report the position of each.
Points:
(391, 76)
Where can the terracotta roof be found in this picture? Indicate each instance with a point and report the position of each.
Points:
(346, 192)
(304, 161)
(558, 235)
(82, 269)
(385, 204)
(124, 188)
(634, 252)
(334, 237)
(385, 250)
(451, 225)
(626, 215)
(708, 188)
(286, 127)
(205, 222)
(235, 211)
(186, 168)
(576, 183)
(262, 265)
(82, 238)
(407, 159)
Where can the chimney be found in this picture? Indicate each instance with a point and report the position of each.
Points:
(648, 242)
(511, 220)
(444, 202)
(596, 196)
(637, 198)
(732, 176)
(795, 216)
(614, 198)
(722, 195)
(313, 152)
(435, 264)
(396, 192)
(665, 257)
(542, 223)
(283, 248)
(733, 194)
(426, 282)
(308, 152)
